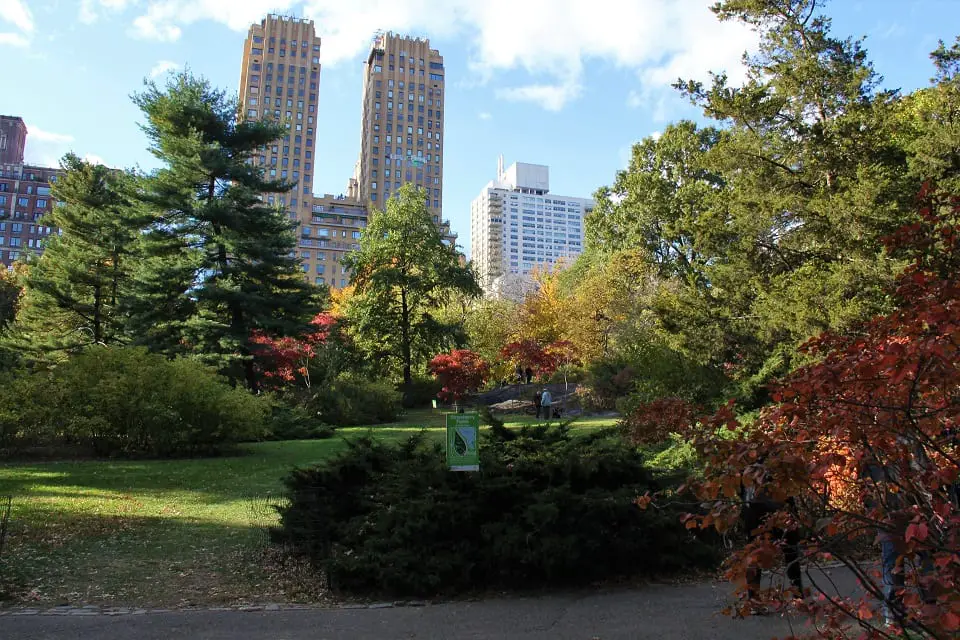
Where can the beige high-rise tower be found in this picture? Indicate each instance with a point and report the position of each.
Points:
(280, 80)
(402, 123)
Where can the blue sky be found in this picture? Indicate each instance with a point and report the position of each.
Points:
(568, 83)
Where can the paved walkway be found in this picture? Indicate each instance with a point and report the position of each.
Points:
(675, 612)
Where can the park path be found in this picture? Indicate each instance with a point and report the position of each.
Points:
(679, 612)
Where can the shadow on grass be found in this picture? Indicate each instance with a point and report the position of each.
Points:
(138, 561)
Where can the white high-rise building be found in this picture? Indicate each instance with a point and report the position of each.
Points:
(518, 226)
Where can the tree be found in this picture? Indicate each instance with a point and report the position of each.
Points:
(929, 123)
(769, 231)
(11, 293)
(544, 314)
(490, 324)
(402, 273)
(76, 293)
(864, 440)
(220, 262)
(660, 203)
(288, 360)
(459, 372)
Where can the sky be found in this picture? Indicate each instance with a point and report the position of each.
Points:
(567, 83)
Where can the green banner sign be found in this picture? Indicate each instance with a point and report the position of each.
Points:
(463, 433)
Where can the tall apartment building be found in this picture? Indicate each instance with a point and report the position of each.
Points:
(24, 198)
(517, 226)
(280, 80)
(402, 122)
(13, 139)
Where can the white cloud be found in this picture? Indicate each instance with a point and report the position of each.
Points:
(634, 100)
(485, 115)
(551, 97)
(163, 67)
(18, 14)
(46, 147)
(95, 159)
(90, 10)
(13, 39)
(548, 40)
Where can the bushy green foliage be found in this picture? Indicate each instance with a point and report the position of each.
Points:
(419, 392)
(546, 509)
(350, 400)
(124, 401)
(290, 419)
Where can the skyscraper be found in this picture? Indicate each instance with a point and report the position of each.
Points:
(517, 225)
(402, 122)
(279, 80)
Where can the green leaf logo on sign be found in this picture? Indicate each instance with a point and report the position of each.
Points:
(463, 431)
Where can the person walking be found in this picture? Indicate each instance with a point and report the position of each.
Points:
(546, 403)
(537, 402)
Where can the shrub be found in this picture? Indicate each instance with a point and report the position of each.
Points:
(125, 401)
(419, 393)
(291, 420)
(547, 509)
(607, 380)
(349, 400)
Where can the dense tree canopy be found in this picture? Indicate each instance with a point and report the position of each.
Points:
(402, 274)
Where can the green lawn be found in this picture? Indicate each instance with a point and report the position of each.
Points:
(165, 532)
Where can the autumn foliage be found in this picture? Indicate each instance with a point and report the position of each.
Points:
(460, 372)
(285, 361)
(656, 421)
(865, 441)
(544, 360)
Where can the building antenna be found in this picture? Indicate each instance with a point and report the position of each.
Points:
(500, 167)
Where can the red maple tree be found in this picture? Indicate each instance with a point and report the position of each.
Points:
(861, 445)
(460, 372)
(544, 360)
(284, 361)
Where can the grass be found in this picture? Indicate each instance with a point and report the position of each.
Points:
(165, 532)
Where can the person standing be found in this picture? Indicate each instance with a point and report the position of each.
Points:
(537, 402)
(546, 403)
(529, 373)
(518, 372)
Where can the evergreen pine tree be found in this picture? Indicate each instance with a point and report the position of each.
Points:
(74, 294)
(219, 262)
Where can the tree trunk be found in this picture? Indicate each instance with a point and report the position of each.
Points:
(405, 337)
(97, 314)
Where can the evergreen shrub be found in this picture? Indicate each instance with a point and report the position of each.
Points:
(547, 509)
